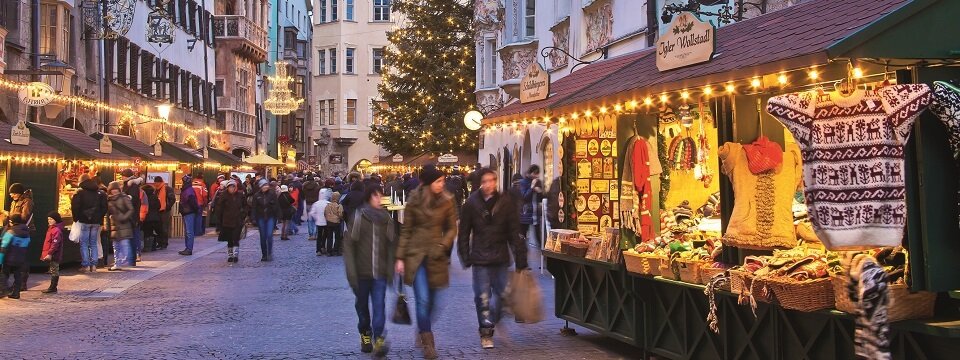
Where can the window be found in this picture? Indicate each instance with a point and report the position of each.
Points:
(302, 49)
(490, 76)
(134, 75)
(322, 113)
(243, 86)
(298, 130)
(65, 24)
(299, 88)
(321, 61)
(218, 88)
(147, 81)
(332, 108)
(561, 9)
(123, 45)
(351, 111)
(333, 60)
(48, 28)
(290, 40)
(323, 11)
(381, 10)
(377, 110)
(349, 15)
(333, 10)
(529, 18)
(349, 61)
(378, 60)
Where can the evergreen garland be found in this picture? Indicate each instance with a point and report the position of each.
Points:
(665, 175)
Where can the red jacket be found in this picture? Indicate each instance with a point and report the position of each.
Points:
(53, 243)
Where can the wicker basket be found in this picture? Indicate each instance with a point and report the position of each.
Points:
(636, 263)
(903, 305)
(740, 282)
(686, 270)
(653, 262)
(574, 248)
(808, 295)
(707, 273)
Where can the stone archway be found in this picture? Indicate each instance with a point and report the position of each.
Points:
(73, 123)
(241, 152)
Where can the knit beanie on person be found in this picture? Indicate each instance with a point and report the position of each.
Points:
(17, 188)
(114, 185)
(429, 174)
(55, 216)
(262, 183)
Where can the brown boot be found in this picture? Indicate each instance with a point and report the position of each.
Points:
(429, 348)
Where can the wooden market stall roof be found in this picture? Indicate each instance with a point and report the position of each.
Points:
(564, 87)
(74, 144)
(793, 38)
(223, 157)
(134, 147)
(36, 146)
(181, 152)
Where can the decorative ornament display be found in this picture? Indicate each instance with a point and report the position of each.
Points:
(160, 28)
(281, 100)
(112, 23)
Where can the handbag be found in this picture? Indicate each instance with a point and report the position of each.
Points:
(526, 299)
(401, 312)
(75, 232)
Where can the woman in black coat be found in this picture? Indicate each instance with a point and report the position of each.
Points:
(153, 223)
(231, 217)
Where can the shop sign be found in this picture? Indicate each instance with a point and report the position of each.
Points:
(336, 159)
(157, 149)
(106, 146)
(447, 158)
(20, 134)
(686, 41)
(398, 158)
(535, 85)
(312, 159)
(36, 94)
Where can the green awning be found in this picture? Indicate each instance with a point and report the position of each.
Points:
(920, 29)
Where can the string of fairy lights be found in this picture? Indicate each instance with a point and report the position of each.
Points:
(403, 169)
(126, 112)
(159, 165)
(591, 116)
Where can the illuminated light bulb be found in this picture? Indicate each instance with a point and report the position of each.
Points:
(755, 83)
(588, 113)
(813, 75)
(603, 109)
(633, 103)
(663, 98)
(685, 95)
(617, 108)
(730, 88)
(563, 120)
(782, 79)
(857, 73)
(648, 101)
(707, 90)
(574, 116)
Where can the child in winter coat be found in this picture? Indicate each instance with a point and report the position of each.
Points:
(13, 256)
(318, 218)
(53, 249)
(334, 215)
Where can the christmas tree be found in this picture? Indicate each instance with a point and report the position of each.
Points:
(427, 82)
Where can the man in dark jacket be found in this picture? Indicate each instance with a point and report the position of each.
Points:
(167, 198)
(489, 230)
(553, 204)
(152, 223)
(410, 183)
(131, 187)
(352, 201)
(15, 243)
(89, 206)
(531, 191)
(189, 209)
(456, 186)
(311, 194)
(266, 210)
(474, 178)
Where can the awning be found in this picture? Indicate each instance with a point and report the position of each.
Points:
(181, 152)
(564, 87)
(36, 146)
(133, 147)
(793, 38)
(263, 159)
(895, 35)
(463, 159)
(223, 157)
(73, 144)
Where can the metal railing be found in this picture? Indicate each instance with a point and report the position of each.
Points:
(239, 26)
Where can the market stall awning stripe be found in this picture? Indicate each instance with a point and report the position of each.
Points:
(134, 147)
(74, 144)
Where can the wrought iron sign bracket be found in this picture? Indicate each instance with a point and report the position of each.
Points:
(545, 52)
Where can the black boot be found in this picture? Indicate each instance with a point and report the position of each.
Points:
(23, 284)
(54, 280)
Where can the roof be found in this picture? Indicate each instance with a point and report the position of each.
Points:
(894, 36)
(36, 147)
(263, 159)
(569, 85)
(428, 158)
(134, 147)
(74, 144)
(223, 157)
(181, 152)
(792, 38)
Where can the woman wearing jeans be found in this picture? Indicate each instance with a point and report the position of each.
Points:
(423, 253)
(189, 209)
(122, 215)
(266, 207)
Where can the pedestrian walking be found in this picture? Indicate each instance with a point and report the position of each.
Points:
(489, 234)
(14, 246)
(203, 199)
(89, 206)
(152, 223)
(311, 194)
(120, 223)
(296, 191)
(52, 252)
(369, 251)
(167, 198)
(423, 252)
(352, 201)
(456, 185)
(333, 213)
(22, 205)
(131, 187)
(288, 210)
(531, 190)
(317, 218)
(215, 189)
(266, 208)
(231, 218)
(190, 210)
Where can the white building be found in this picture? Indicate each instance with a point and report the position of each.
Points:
(349, 37)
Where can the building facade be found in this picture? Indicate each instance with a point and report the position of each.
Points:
(241, 46)
(289, 33)
(348, 44)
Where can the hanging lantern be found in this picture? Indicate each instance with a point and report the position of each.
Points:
(686, 118)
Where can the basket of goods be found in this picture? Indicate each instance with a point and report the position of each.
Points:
(575, 247)
(685, 265)
(654, 259)
(556, 236)
(712, 266)
(797, 279)
(644, 258)
(635, 263)
(671, 267)
(903, 304)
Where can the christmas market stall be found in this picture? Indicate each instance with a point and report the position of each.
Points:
(782, 187)
(147, 159)
(26, 160)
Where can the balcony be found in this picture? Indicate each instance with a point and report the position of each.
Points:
(242, 36)
(232, 119)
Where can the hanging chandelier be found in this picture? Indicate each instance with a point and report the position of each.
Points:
(281, 100)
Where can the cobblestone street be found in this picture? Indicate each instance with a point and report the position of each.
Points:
(297, 307)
